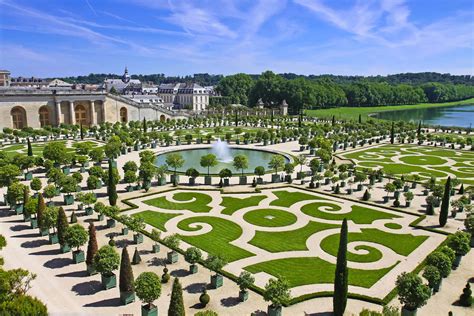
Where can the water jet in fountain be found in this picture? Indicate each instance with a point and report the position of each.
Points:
(221, 150)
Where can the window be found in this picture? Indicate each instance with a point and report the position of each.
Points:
(18, 117)
(123, 115)
(44, 116)
(81, 115)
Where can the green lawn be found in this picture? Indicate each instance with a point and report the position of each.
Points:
(292, 240)
(233, 204)
(217, 241)
(156, 219)
(270, 218)
(286, 199)
(313, 270)
(353, 112)
(359, 214)
(198, 202)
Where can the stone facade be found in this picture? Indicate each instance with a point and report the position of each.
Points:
(191, 96)
(37, 108)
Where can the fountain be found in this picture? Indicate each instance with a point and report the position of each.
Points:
(221, 150)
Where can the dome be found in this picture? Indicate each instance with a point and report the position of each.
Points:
(126, 76)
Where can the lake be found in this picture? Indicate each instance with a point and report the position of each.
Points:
(459, 115)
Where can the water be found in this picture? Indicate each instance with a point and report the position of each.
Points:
(192, 159)
(222, 151)
(460, 115)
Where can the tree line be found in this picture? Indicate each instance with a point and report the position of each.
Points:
(302, 93)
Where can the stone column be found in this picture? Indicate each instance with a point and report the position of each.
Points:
(58, 113)
(93, 116)
(72, 115)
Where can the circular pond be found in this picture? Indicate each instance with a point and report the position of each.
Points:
(192, 158)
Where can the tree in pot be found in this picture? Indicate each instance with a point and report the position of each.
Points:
(460, 243)
(289, 168)
(76, 237)
(176, 307)
(175, 161)
(40, 214)
(277, 291)
(216, 263)
(408, 198)
(259, 171)
(412, 293)
(301, 161)
(107, 260)
(155, 236)
(432, 275)
(130, 177)
(148, 289)
(29, 212)
(49, 221)
(192, 174)
(241, 162)
(146, 173)
(192, 255)
(469, 224)
(126, 279)
(91, 250)
(276, 163)
(36, 185)
(172, 241)
(244, 281)
(68, 186)
(112, 184)
(62, 225)
(15, 196)
(208, 161)
(441, 261)
(136, 224)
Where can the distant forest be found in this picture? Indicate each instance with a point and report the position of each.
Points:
(321, 91)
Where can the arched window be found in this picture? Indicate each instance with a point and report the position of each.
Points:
(123, 115)
(162, 118)
(18, 117)
(44, 116)
(81, 115)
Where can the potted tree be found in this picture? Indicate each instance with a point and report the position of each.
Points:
(277, 292)
(289, 168)
(76, 237)
(408, 198)
(68, 186)
(155, 236)
(259, 172)
(62, 225)
(276, 162)
(148, 289)
(87, 199)
(301, 160)
(469, 224)
(225, 174)
(49, 221)
(432, 275)
(107, 260)
(175, 161)
(111, 212)
(459, 242)
(15, 194)
(137, 224)
(127, 291)
(244, 281)
(91, 250)
(172, 241)
(130, 177)
(192, 174)
(241, 162)
(208, 161)
(30, 209)
(412, 293)
(216, 263)
(192, 256)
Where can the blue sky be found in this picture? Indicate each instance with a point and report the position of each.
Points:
(365, 37)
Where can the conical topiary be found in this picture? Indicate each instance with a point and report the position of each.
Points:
(466, 296)
(176, 307)
(30, 149)
(73, 218)
(62, 226)
(92, 245)
(40, 210)
(443, 214)
(341, 275)
(126, 273)
(136, 257)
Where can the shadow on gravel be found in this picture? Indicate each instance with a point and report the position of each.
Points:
(111, 302)
(155, 261)
(57, 263)
(180, 273)
(74, 274)
(31, 235)
(230, 301)
(19, 228)
(35, 243)
(195, 288)
(87, 288)
(50, 252)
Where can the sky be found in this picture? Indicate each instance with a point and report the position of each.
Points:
(54, 38)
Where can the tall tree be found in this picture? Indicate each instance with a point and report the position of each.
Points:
(62, 226)
(392, 134)
(418, 132)
(30, 149)
(112, 186)
(40, 210)
(126, 278)
(145, 127)
(92, 245)
(176, 303)
(81, 131)
(341, 276)
(443, 214)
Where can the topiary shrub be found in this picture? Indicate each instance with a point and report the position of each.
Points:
(466, 296)
(204, 298)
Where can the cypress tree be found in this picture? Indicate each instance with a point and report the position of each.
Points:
(26, 195)
(443, 214)
(236, 119)
(360, 118)
(461, 189)
(30, 149)
(82, 132)
(62, 226)
(73, 218)
(136, 257)
(392, 134)
(341, 275)
(126, 273)
(92, 245)
(40, 209)
(419, 129)
(144, 125)
(112, 187)
(176, 303)
(333, 120)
